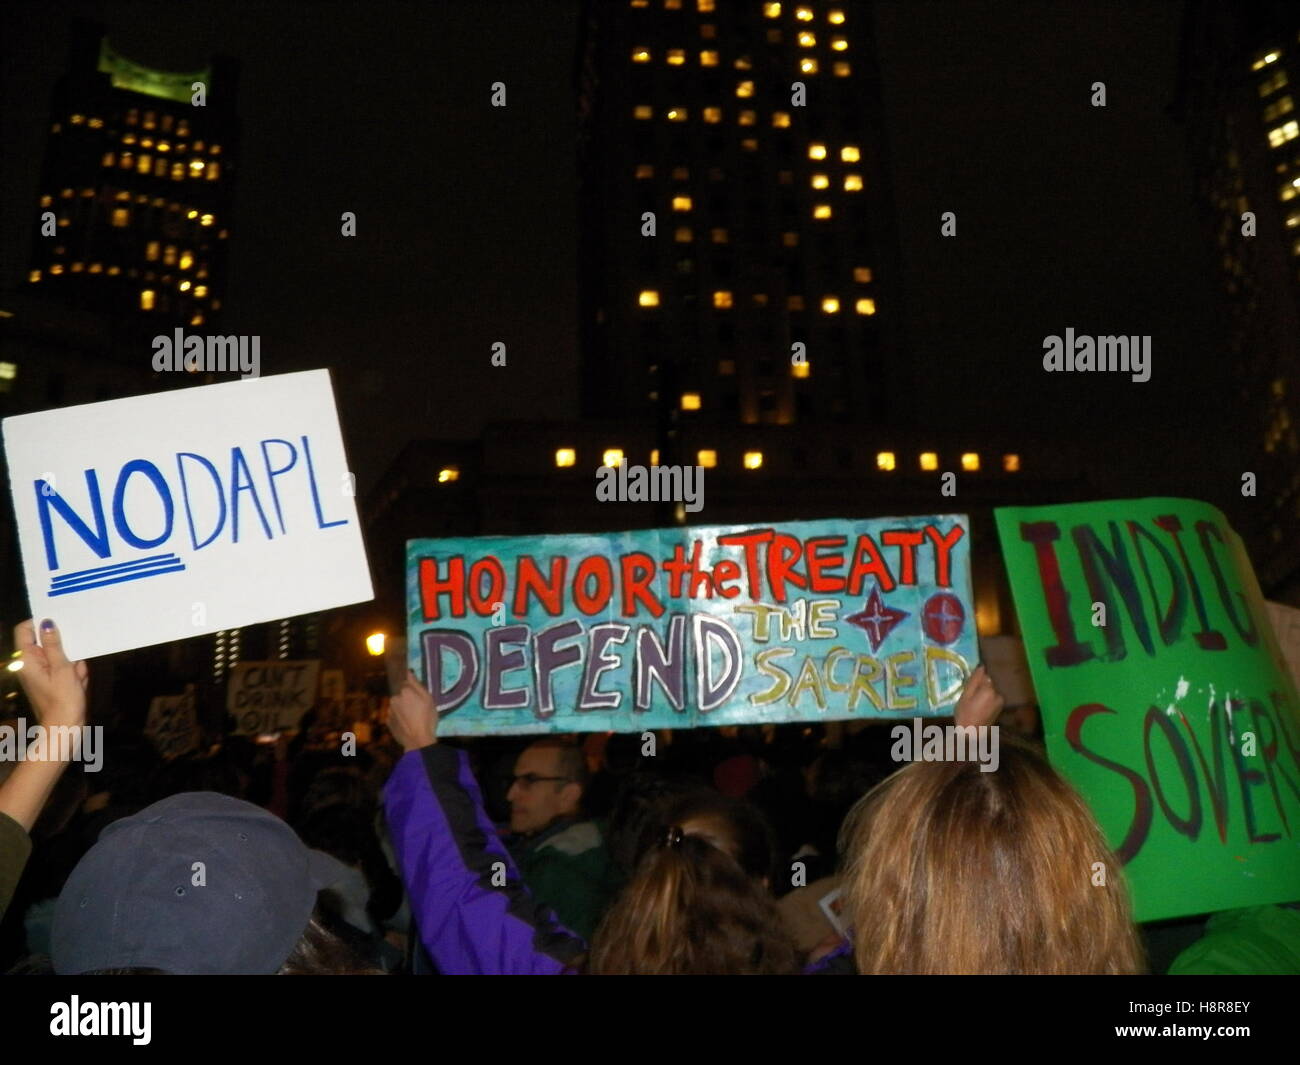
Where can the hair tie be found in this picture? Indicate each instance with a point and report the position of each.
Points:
(674, 838)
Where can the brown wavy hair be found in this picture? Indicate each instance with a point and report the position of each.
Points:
(953, 870)
(699, 901)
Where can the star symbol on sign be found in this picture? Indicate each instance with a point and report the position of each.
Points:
(876, 619)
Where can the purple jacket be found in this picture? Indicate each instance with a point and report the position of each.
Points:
(474, 914)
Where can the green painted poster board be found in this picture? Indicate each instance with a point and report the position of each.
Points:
(1165, 699)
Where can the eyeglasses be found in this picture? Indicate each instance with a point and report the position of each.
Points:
(527, 780)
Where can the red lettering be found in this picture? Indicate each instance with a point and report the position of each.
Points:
(818, 582)
(528, 579)
(638, 572)
(432, 587)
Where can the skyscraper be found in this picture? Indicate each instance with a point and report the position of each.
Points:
(738, 255)
(1239, 68)
(135, 191)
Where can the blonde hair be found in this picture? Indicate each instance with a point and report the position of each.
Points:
(953, 870)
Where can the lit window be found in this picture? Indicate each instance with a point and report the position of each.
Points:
(801, 369)
(753, 460)
(886, 460)
(790, 240)
(681, 203)
(830, 305)
(722, 300)
(565, 456)
(816, 151)
(865, 306)
(200, 291)
(683, 235)
(185, 286)
(839, 44)
(772, 10)
(852, 182)
(808, 66)
(146, 299)
(1011, 463)
(708, 59)
(745, 88)
(822, 211)
(803, 14)
(677, 114)
(718, 236)
(643, 111)
(970, 461)
(841, 69)
(807, 40)
(151, 251)
(640, 55)
(121, 217)
(820, 181)
(862, 274)
(794, 303)
(676, 57)
(707, 458)
(690, 401)
(835, 18)
(713, 114)
(612, 457)
(929, 460)
(649, 298)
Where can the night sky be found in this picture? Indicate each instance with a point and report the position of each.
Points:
(1067, 215)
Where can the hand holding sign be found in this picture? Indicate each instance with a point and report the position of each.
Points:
(55, 687)
(412, 716)
(980, 702)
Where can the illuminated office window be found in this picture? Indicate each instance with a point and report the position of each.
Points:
(690, 401)
(146, 299)
(852, 182)
(822, 211)
(816, 151)
(722, 300)
(713, 115)
(929, 460)
(649, 298)
(886, 460)
(865, 306)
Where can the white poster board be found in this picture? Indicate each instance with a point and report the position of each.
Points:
(162, 517)
(271, 696)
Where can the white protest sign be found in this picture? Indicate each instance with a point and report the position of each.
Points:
(166, 516)
(270, 696)
(172, 726)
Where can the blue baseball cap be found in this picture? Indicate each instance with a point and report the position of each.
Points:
(198, 883)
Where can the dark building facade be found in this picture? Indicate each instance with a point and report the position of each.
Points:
(750, 135)
(1238, 82)
(139, 181)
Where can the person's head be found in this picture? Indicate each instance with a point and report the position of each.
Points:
(953, 870)
(699, 901)
(198, 883)
(550, 777)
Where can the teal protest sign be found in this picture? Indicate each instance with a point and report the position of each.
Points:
(1165, 698)
(676, 628)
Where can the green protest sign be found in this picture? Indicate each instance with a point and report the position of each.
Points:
(1165, 699)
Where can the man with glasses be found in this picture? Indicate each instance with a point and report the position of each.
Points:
(561, 857)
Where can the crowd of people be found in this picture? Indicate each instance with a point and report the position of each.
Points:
(781, 849)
